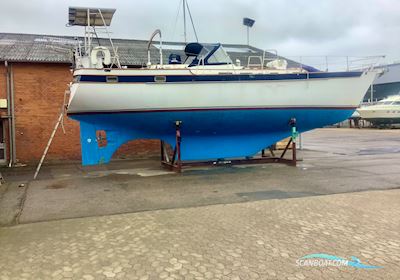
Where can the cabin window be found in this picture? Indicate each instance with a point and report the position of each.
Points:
(219, 56)
(112, 79)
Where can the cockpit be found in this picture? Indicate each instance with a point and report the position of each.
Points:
(202, 54)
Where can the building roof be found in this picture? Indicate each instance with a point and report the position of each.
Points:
(391, 74)
(16, 47)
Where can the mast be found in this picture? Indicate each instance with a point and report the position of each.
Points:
(184, 20)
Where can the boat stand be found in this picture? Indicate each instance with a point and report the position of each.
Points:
(175, 163)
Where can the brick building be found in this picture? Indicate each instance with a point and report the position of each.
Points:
(35, 71)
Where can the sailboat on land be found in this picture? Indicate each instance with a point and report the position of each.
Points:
(224, 110)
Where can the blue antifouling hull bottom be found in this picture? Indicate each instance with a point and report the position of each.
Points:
(206, 135)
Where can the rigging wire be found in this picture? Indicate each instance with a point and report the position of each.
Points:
(191, 19)
(176, 19)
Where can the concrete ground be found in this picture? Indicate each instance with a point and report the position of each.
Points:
(254, 222)
(334, 161)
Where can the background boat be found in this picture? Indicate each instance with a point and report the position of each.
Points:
(384, 112)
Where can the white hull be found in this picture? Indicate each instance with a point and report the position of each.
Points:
(118, 97)
(385, 111)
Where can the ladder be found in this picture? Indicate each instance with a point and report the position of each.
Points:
(59, 121)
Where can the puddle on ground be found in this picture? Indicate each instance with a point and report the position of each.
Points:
(378, 151)
(57, 185)
(273, 194)
(149, 173)
(128, 172)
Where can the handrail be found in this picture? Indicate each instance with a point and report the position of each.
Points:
(323, 63)
(273, 51)
(339, 63)
(250, 57)
(156, 32)
(262, 58)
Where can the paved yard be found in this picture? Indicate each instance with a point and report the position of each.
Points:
(334, 161)
(253, 240)
(244, 222)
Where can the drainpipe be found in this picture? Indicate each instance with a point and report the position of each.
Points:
(14, 153)
(10, 145)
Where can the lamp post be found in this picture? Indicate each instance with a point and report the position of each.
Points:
(248, 22)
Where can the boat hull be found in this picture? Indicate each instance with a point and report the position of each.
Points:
(133, 94)
(205, 135)
(381, 115)
(220, 120)
(383, 121)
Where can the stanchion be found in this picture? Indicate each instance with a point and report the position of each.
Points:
(175, 162)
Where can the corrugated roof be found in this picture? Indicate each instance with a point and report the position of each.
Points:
(35, 48)
(58, 49)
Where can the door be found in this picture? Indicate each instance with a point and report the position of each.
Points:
(3, 147)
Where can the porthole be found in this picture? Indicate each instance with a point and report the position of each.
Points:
(160, 79)
(112, 79)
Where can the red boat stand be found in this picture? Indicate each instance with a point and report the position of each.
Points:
(175, 163)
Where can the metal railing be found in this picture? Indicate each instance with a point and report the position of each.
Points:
(321, 63)
(155, 33)
(336, 63)
(268, 55)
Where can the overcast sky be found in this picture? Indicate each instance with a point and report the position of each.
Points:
(294, 27)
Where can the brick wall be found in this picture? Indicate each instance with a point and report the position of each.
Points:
(3, 92)
(39, 93)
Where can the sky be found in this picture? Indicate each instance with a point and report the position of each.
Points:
(293, 27)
